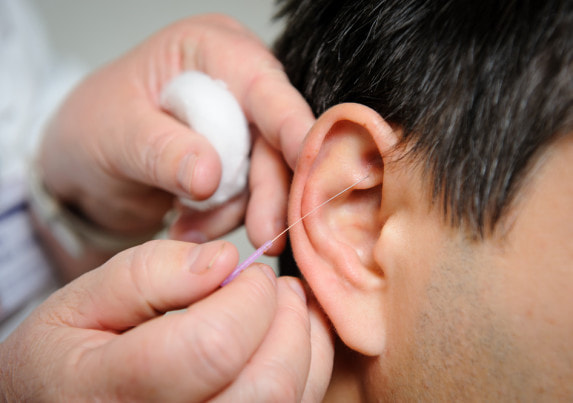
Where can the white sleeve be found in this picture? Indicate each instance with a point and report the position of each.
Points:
(33, 82)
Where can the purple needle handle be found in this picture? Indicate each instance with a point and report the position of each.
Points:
(247, 262)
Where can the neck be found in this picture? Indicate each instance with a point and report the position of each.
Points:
(345, 385)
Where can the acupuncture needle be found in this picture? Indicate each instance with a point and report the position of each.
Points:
(267, 245)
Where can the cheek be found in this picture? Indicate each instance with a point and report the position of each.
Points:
(408, 250)
(441, 330)
(536, 260)
(536, 288)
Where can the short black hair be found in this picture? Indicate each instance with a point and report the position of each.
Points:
(479, 88)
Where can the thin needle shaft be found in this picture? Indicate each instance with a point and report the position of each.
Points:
(317, 207)
(267, 245)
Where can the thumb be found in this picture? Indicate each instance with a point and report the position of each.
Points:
(193, 354)
(145, 281)
(161, 151)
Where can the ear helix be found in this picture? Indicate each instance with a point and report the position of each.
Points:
(334, 247)
(347, 153)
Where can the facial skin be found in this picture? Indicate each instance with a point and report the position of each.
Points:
(425, 311)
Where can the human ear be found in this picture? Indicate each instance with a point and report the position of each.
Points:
(334, 246)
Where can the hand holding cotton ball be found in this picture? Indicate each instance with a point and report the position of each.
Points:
(210, 109)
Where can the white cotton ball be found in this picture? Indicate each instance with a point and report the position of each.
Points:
(210, 109)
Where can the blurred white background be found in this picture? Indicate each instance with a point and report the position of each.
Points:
(98, 31)
(95, 32)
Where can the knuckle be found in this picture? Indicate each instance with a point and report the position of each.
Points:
(218, 356)
(294, 306)
(140, 270)
(220, 19)
(277, 385)
(154, 153)
(144, 255)
(261, 293)
(270, 70)
(300, 321)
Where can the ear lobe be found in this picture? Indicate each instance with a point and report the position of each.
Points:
(334, 246)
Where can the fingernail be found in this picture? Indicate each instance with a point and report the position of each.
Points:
(219, 253)
(193, 236)
(194, 259)
(296, 286)
(185, 174)
(204, 257)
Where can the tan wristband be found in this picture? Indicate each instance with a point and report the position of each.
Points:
(72, 231)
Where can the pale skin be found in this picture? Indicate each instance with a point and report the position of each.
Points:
(423, 312)
(104, 337)
(438, 310)
(112, 153)
(126, 159)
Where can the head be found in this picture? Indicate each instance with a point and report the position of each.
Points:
(448, 272)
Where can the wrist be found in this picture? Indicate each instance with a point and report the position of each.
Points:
(73, 230)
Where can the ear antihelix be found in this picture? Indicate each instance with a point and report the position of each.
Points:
(267, 245)
(334, 246)
(348, 227)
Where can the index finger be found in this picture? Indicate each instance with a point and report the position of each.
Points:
(140, 283)
(230, 52)
(279, 368)
(191, 356)
(279, 111)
